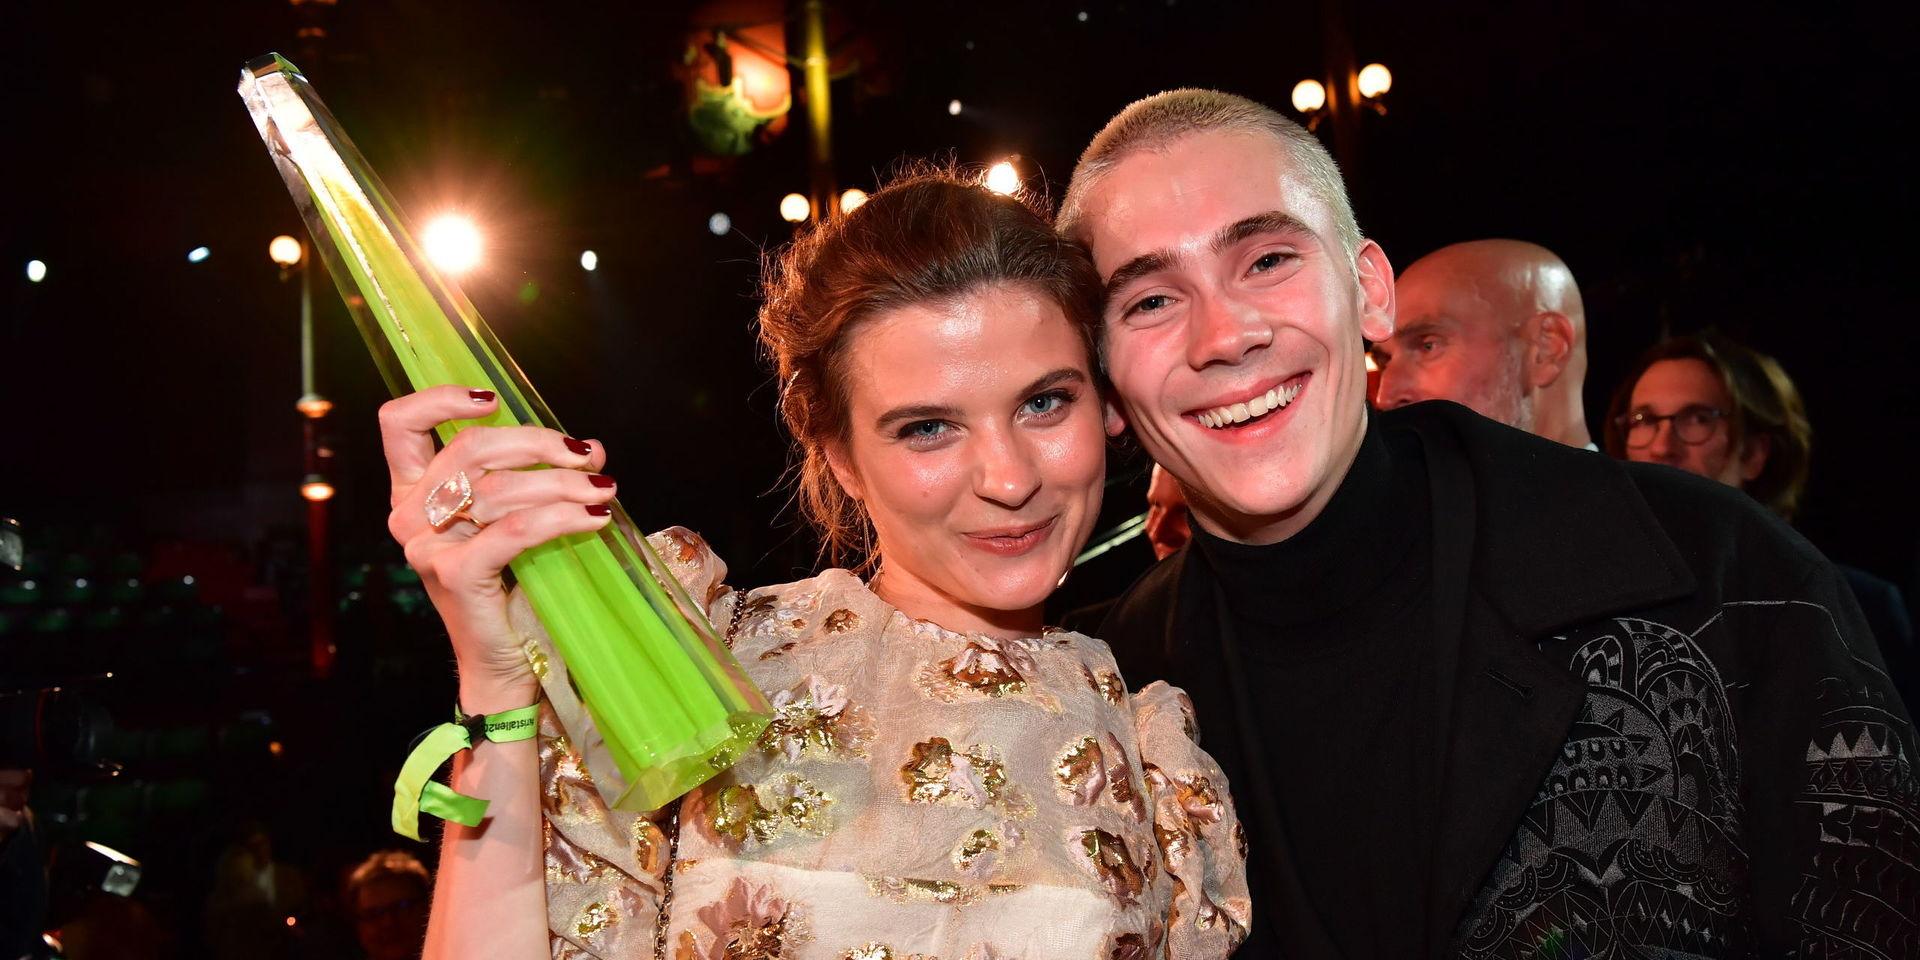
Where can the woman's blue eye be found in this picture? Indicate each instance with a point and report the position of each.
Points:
(1045, 403)
(923, 430)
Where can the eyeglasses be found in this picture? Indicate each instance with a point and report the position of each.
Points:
(385, 910)
(1693, 424)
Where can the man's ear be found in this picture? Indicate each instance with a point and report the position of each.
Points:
(843, 472)
(1112, 417)
(1753, 456)
(1375, 275)
(1550, 349)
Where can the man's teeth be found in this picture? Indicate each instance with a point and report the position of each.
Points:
(1259, 406)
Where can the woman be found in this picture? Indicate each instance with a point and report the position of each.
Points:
(943, 778)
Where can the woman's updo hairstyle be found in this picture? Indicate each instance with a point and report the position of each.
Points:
(928, 236)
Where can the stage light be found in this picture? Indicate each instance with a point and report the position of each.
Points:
(794, 208)
(589, 260)
(36, 271)
(953, 108)
(1002, 178)
(852, 199)
(313, 406)
(453, 243)
(1375, 80)
(316, 488)
(284, 250)
(719, 224)
(1309, 95)
(198, 255)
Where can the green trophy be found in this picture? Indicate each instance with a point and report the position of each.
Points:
(670, 702)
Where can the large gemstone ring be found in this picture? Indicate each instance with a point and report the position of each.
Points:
(451, 501)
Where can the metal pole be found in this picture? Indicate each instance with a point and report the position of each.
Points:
(319, 571)
(1343, 89)
(819, 107)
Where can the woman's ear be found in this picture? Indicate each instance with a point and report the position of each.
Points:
(841, 464)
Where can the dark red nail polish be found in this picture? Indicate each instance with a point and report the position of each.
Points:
(580, 447)
(600, 480)
(480, 396)
(599, 509)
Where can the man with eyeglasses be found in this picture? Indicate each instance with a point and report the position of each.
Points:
(1719, 409)
(389, 893)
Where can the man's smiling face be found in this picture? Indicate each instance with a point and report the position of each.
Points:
(1233, 325)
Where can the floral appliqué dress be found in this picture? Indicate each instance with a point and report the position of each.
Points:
(920, 793)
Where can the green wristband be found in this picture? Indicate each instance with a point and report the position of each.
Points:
(415, 790)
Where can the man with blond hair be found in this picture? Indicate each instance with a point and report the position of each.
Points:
(1477, 694)
(1496, 325)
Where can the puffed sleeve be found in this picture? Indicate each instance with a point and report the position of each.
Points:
(1199, 834)
(605, 868)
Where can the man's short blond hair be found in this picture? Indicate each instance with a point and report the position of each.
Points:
(1156, 122)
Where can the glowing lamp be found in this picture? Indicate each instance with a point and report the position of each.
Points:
(851, 199)
(284, 250)
(795, 208)
(315, 488)
(1375, 80)
(36, 270)
(1309, 96)
(313, 406)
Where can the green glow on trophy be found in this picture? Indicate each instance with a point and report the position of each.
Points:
(670, 702)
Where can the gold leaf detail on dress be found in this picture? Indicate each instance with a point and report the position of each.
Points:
(990, 666)
(686, 544)
(1197, 799)
(650, 846)
(977, 845)
(750, 924)
(1082, 772)
(1120, 779)
(946, 892)
(1129, 946)
(1114, 865)
(936, 773)
(869, 951)
(1106, 683)
(1175, 844)
(814, 715)
(537, 659)
(593, 918)
(763, 813)
(842, 620)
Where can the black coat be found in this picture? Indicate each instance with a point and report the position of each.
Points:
(1670, 731)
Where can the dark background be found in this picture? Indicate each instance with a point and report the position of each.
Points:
(1733, 166)
(1739, 166)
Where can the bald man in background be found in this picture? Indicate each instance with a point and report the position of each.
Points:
(1496, 325)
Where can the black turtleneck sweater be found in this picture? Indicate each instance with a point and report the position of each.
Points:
(1318, 704)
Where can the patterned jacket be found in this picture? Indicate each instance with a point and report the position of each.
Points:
(1671, 731)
